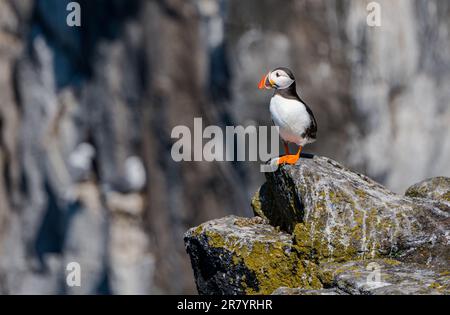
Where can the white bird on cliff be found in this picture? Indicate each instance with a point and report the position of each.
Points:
(289, 112)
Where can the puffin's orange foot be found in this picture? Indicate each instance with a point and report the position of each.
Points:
(288, 159)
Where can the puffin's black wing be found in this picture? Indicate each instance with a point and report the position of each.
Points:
(311, 131)
(291, 93)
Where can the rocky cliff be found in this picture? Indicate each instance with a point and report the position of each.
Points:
(321, 226)
(86, 116)
(85, 121)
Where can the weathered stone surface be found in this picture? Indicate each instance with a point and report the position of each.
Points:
(298, 291)
(323, 229)
(359, 277)
(436, 188)
(122, 80)
(377, 277)
(236, 255)
(337, 214)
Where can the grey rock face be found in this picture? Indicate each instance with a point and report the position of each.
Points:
(236, 255)
(337, 213)
(377, 277)
(333, 224)
(138, 68)
(437, 188)
(66, 154)
(298, 291)
(85, 124)
(387, 277)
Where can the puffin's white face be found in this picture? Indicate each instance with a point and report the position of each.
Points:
(276, 79)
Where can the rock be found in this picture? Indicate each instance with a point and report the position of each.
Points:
(80, 161)
(437, 188)
(337, 214)
(322, 229)
(298, 291)
(360, 277)
(104, 86)
(121, 78)
(86, 237)
(236, 255)
(43, 282)
(377, 277)
(131, 263)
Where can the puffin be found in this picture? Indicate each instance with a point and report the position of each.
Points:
(289, 112)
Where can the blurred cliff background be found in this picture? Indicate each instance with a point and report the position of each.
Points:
(86, 115)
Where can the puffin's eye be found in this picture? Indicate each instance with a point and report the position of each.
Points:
(277, 74)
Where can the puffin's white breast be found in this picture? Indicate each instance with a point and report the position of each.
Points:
(292, 118)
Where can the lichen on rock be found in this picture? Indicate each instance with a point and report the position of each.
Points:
(436, 188)
(317, 227)
(245, 256)
(338, 215)
(300, 291)
(385, 276)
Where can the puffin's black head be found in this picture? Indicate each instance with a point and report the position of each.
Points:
(278, 78)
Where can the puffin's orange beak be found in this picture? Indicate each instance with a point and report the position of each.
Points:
(265, 83)
(262, 83)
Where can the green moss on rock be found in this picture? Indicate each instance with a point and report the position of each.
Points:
(335, 214)
(317, 213)
(257, 206)
(253, 257)
(436, 188)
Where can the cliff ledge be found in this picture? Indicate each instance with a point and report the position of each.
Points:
(320, 228)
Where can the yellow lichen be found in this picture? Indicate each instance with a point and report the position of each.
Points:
(256, 205)
(273, 264)
(446, 196)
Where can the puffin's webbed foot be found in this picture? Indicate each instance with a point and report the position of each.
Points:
(290, 159)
